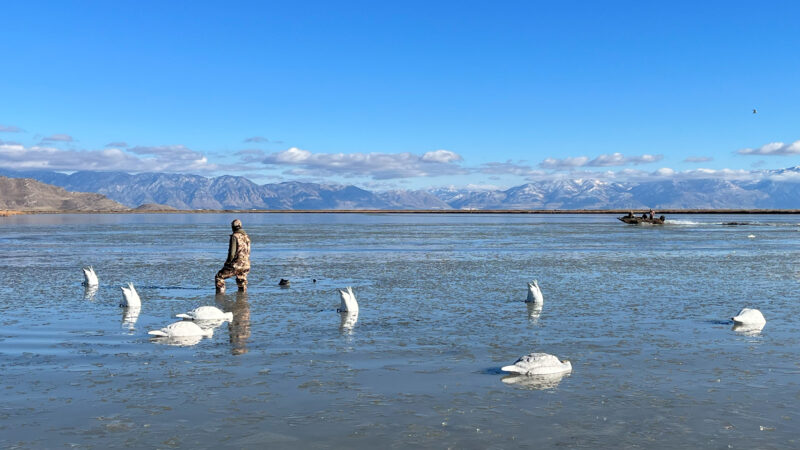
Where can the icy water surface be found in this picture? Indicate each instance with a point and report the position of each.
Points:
(642, 312)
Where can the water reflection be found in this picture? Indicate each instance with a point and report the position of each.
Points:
(534, 312)
(748, 329)
(129, 317)
(179, 341)
(239, 327)
(88, 292)
(357, 388)
(349, 319)
(537, 382)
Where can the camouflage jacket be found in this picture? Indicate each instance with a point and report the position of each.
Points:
(239, 251)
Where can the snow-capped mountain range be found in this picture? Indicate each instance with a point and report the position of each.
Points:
(775, 189)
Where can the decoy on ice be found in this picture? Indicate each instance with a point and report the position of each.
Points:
(538, 364)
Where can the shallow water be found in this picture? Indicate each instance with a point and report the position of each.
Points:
(642, 313)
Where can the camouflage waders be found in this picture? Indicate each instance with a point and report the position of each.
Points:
(238, 263)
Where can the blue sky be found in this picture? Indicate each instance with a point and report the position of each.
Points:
(404, 95)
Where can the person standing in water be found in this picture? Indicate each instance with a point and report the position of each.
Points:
(238, 262)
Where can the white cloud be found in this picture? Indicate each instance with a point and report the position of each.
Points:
(378, 166)
(441, 156)
(773, 149)
(614, 159)
(484, 187)
(251, 155)
(564, 164)
(9, 129)
(508, 168)
(161, 159)
(698, 159)
(117, 144)
(256, 140)
(58, 138)
(665, 172)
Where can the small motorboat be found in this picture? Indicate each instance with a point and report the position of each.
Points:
(633, 220)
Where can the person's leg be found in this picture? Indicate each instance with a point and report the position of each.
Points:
(241, 280)
(219, 280)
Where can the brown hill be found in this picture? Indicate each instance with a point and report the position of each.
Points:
(154, 207)
(25, 194)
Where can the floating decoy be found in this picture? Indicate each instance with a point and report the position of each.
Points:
(349, 303)
(206, 313)
(748, 316)
(182, 329)
(538, 364)
(89, 277)
(130, 298)
(534, 293)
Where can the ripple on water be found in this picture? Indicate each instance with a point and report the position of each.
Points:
(642, 314)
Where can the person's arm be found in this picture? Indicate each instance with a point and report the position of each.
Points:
(232, 247)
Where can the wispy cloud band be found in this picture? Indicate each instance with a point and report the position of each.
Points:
(378, 166)
(614, 159)
(144, 159)
(9, 129)
(773, 149)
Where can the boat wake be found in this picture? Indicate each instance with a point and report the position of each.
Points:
(683, 222)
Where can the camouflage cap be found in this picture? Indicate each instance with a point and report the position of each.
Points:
(236, 224)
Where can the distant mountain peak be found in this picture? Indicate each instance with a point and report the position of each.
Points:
(186, 191)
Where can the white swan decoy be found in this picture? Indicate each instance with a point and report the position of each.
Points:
(538, 364)
(207, 313)
(534, 293)
(748, 316)
(130, 298)
(349, 303)
(89, 277)
(182, 329)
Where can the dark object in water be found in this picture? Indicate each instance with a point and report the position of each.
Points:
(314, 280)
(640, 220)
(284, 282)
(736, 223)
